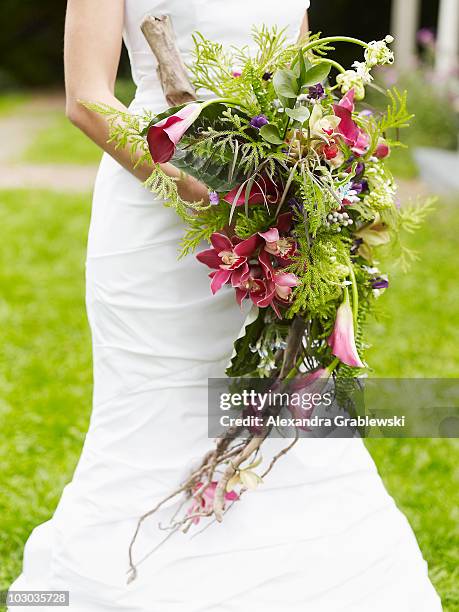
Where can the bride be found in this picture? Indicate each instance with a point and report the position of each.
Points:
(322, 535)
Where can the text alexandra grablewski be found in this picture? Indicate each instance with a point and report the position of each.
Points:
(312, 422)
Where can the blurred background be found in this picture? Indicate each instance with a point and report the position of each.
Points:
(47, 169)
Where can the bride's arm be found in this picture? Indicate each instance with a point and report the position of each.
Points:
(93, 38)
(304, 29)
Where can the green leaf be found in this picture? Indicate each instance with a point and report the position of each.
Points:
(270, 133)
(211, 171)
(245, 361)
(302, 65)
(300, 114)
(286, 84)
(316, 74)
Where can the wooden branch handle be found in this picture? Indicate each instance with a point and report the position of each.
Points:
(172, 73)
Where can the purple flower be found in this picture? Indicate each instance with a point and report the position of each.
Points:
(316, 92)
(360, 186)
(267, 76)
(295, 205)
(359, 169)
(356, 245)
(259, 121)
(379, 283)
(426, 37)
(214, 198)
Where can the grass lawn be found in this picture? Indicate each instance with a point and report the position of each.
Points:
(11, 102)
(45, 374)
(61, 143)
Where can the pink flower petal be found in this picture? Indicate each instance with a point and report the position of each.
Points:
(284, 222)
(347, 126)
(210, 258)
(240, 275)
(342, 340)
(286, 279)
(220, 242)
(347, 101)
(272, 235)
(247, 247)
(265, 261)
(220, 278)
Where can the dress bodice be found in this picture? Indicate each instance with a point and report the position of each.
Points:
(226, 21)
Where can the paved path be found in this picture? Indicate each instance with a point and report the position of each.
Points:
(18, 131)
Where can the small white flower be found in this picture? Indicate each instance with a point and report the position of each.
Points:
(363, 71)
(351, 80)
(378, 54)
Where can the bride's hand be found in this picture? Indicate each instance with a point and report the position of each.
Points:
(189, 189)
(192, 190)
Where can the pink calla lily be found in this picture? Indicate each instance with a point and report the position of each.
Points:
(348, 101)
(163, 137)
(228, 258)
(342, 340)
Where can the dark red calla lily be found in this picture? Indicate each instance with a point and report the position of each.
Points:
(163, 137)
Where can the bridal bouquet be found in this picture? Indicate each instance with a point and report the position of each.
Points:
(300, 202)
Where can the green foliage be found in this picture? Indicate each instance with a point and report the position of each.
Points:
(322, 266)
(202, 225)
(408, 220)
(245, 360)
(126, 129)
(258, 220)
(397, 115)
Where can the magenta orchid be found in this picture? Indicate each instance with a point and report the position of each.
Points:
(204, 500)
(356, 138)
(227, 258)
(342, 340)
(279, 284)
(282, 247)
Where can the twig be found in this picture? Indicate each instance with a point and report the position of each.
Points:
(172, 73)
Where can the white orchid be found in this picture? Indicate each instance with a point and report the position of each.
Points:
(322, 126)
(245, 477)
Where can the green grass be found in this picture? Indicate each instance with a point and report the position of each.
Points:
(11, 102)
(45, 368)
(61, 143)
(402, 164)
(45, 374)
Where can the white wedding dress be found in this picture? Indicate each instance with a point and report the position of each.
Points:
(321, 535)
